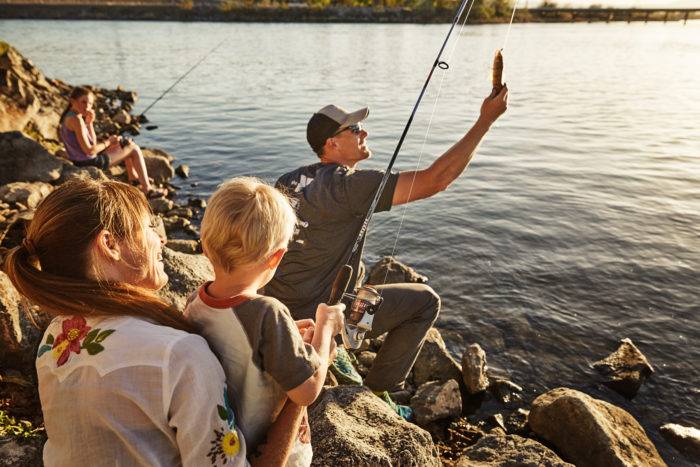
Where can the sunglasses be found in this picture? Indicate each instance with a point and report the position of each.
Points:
(355, 129)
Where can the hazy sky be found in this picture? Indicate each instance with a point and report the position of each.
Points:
(622, 3)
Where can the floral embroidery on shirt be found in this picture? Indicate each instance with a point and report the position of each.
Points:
(75, 335)
(225, 444)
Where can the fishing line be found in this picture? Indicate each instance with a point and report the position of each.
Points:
(425, 138)
(183, 76)
(512, 16)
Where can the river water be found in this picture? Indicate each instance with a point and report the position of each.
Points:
(576, 225)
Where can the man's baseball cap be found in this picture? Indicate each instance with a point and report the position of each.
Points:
(328, 121)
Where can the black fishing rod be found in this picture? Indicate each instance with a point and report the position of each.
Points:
(342, 279)
(142, 117)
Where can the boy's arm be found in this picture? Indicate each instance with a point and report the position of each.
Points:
(280, 437)
(329, 322)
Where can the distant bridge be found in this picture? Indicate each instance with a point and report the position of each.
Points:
(609, 14)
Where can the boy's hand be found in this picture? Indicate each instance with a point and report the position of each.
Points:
(306, 328)
(331, 316)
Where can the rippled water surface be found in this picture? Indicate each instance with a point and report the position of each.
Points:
(576, 225)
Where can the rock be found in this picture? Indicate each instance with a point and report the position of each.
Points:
(402, 396)
(474, 369)
(183, 170)
(366, 358)
(197, 203)
(511, 450)
(70, 171)
(191, 247)
(434, 362)
(389, 271)
(122, 117)
(24, 160)
(352, 426)
(181, 212)
(684, 438)
(625, 369)
(591, 432)
(160, 205)
(506, 392)
(186, 273)
(435, 401)
(21, 328)
(29, 194)
(175, 224)
(25, 452)
(158, 165)
(160, 228)
(516, 422)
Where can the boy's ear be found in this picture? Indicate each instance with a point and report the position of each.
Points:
(274, 260)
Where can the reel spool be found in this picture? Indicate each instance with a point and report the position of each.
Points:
(362, 307)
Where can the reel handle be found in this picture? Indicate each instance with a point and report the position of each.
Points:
(340, 284)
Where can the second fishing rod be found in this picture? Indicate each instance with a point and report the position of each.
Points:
(364, 304)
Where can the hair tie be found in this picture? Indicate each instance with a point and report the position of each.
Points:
(29, 246)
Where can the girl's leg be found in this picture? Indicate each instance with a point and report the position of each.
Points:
(130, 170)
(133, 154)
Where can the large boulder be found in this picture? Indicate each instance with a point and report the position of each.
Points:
(390, 271)
(21, 453)
(474, 369)
(28, 194)
(352, 426)
(434, 362)
(21, 327)
(27, 98)
(504, 451)
(685, 439)
(24, 160)
(436, 401)
(158, 165)
(185, 274)
(625, 369)
(591, 432)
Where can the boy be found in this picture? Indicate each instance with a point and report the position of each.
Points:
(245, 232)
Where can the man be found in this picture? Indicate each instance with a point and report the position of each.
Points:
(332, 197)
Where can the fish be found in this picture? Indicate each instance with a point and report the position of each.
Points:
(497, 73)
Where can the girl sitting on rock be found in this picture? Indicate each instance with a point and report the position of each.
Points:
(122, 380)
(78, 135)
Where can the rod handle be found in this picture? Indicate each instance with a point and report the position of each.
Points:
(340, 284)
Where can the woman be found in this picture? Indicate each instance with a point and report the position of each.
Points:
(122, 381)
(78, 135)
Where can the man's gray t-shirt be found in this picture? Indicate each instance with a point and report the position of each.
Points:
(331, 202)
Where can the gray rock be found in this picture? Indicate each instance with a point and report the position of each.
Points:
(71, 171)
(511, 450)
(625, 369)
(197, 203)
(474, 369)
(175, 224)
(183, 170)
(351, 426)
(436, 401)
(591, 432)
(506, 392)
(21, 453)
(190, 247)
(29, 194)
(185, 274)
(434, 362)
(181, 212)
(685, 439)
(21, 327)
(24, 160)
(390, 271)
(158, 165)
(160, 205)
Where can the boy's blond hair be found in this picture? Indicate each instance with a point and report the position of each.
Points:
(245, 222)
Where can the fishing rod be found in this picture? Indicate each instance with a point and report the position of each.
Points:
(366, 302)
(142, 117)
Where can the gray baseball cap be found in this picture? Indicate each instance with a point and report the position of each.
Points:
(328, 121)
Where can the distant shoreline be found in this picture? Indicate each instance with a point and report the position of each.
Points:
(301, 13)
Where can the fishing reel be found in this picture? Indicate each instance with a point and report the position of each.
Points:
(124, 141)
(360, 310)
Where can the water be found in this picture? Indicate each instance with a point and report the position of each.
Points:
(576, 224)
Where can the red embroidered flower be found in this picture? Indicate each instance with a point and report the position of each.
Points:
(74, 331)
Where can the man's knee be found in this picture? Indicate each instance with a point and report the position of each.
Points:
(431, 309)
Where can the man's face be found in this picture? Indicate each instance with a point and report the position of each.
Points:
(351, 143)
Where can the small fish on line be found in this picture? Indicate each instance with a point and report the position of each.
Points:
(497, 73)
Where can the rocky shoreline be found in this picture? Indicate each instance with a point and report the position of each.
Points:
(465, 414)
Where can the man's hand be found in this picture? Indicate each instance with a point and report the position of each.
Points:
(494, 107)
(331, 316)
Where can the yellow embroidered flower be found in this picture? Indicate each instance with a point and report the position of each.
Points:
(230, 444)
(58, 350)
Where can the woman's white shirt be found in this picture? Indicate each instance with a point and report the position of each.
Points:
(125, 391)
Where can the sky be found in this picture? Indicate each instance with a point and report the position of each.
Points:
(627, 3)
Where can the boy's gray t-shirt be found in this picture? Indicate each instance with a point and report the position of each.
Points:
(331, 202)
(261, 351)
